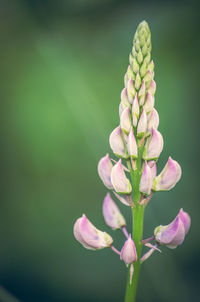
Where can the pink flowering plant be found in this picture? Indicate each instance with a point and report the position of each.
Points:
(132, 178)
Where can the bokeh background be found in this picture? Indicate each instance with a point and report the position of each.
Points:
(62, 65)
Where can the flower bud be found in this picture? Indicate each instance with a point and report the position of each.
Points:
(135, 66)
(152, 87)
(112, 214)
(139, 57)
(142, 124)
(148, 77)
(146, 180)
(104, 169)
(172, 234)
(119, 180)
(151, 66)
(124, 98)
(137, 81)
(185, 218)
(141, 94)
(89, 236)
(116, 142)
(128, 251)
(135, 110)
(152, 165)
(154, 146)
(169, 176)
(149, 104)
(132, 145)
(153, 120)
(130, 91)
(125, 120)
(130, 74)
(143, 69)
(147, 59)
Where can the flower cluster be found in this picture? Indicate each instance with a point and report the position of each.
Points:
(133, 179)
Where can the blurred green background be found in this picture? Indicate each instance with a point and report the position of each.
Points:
(62, 65)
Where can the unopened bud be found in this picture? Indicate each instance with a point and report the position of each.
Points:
(137, 81)
(141, 94)
(130, 91)
(135, 66)
(152, 87)
(128, 251)
(139, 57)
(151, 66)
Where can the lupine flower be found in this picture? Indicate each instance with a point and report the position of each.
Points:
(152, 88)
(119, 180)
(154, 145)
(169, 176)
(89, 236)
(129, 255)
(128, 251)
(146, 180)
(153, 120)
(135, 110)
(141, 94)
(174, 233)
(132, 145)
(149, 104)
(185, 218)
(112, 215)
(125, 120)
(152, 165)
(142, 124)
(104, 169)
(130, 91)
(138, 144)
(116, 142)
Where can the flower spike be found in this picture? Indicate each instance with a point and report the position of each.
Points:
(138, 144)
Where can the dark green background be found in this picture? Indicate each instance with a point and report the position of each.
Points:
(62, 65)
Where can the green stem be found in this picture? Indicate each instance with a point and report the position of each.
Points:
(138, 216)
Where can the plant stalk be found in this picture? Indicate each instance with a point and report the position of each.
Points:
(137, 217)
